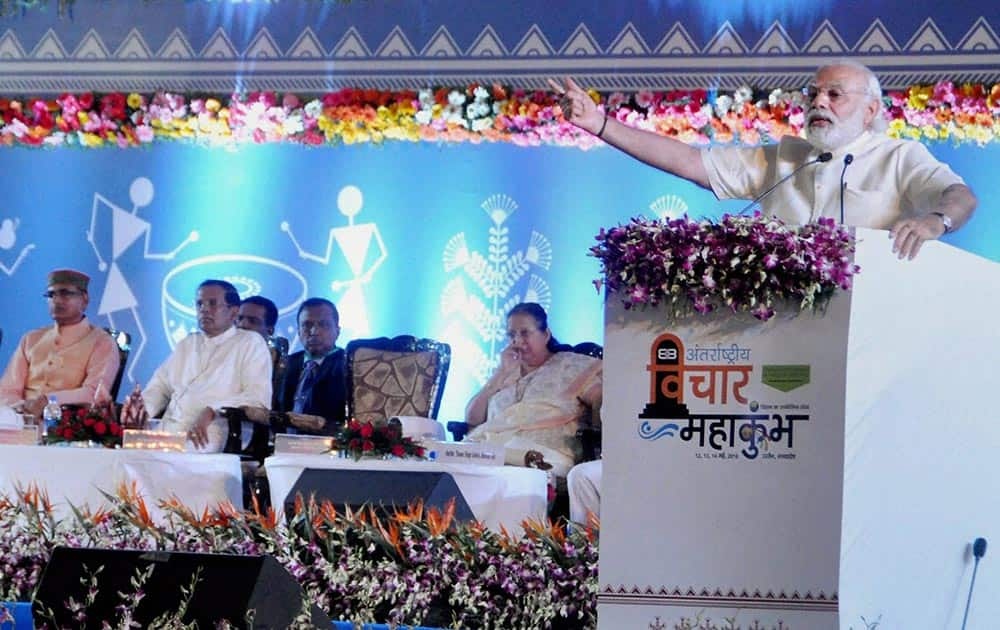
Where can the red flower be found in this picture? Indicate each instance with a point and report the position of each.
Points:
(367, 430)
(420, 451)
(81, 412)
(68, 434)
(113, 106)
(368, 445)
(114, 428)
(100, 428)
(354, 425)
(354, 444)
(398, 450)
(88, 422)
(86, 100)
(67, 414)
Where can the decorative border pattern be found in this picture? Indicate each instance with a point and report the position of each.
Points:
(664, 596)
(628, 63)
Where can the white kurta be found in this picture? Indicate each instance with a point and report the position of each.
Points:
(888, 180)
(228, 370)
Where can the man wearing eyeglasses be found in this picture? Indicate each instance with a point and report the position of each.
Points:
(72, 360)
(896, 185)
(219, 366)
(315, 389)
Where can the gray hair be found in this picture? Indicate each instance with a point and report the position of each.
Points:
(872, 88)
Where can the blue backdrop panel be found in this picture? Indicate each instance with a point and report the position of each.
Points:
(405, 238)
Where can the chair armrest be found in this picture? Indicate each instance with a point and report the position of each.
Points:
(458, 429)
(590, 442)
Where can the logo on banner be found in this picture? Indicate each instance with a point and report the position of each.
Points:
(709, 378)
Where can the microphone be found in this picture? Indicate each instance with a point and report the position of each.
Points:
(978, 551)
(847, 162)
(822, 157)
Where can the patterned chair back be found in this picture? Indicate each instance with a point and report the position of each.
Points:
(279, 365)
(124, 342)
(402, 376)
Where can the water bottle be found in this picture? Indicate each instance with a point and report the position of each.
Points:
(51, 415)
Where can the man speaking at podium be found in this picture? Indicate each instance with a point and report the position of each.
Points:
(846, 168)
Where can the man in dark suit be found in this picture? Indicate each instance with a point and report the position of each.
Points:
(314, 393)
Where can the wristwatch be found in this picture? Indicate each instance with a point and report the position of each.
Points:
(945, 220)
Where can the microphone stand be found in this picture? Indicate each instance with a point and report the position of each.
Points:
(847, 162)
(822, 157)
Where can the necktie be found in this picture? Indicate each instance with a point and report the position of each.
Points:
(303, 393)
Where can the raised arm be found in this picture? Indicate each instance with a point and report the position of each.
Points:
(664, 153)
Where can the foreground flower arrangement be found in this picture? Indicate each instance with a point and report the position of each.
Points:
(743, 263)
(474, 113)
(418, 567)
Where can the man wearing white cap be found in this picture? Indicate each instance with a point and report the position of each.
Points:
(72, 360)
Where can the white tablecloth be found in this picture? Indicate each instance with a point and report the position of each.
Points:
(78, 475)
(497, 495)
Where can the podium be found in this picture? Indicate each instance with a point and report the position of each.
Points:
(818, 470)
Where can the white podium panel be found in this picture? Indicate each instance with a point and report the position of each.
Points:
(723, 452)
(814, 471)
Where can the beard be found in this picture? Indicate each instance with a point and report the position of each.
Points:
(837, 132)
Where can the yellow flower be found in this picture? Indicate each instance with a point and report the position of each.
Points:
(594, 96)
(134, 101)
(82, 117)
(88, 139)
(212, 105)
(919, 96)
(930, 132)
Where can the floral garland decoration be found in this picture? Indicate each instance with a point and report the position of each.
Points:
(746, 264)
(476, 113)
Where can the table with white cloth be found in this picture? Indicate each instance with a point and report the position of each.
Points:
(77, 476)
(497, 495)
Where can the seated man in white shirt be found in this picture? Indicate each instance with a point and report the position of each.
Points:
(888, 184)
(219, 366)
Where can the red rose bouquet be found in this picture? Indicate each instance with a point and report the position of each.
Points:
(87, 423)
(364, 439)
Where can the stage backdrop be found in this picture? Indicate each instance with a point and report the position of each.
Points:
(405, 238)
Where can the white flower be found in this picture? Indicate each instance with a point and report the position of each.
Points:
(423, 117)
(743, 95)
(426, 98)
(456, 98)
(314, 108)
(482, 123)
(293, 124)
(723, 104)
(480, 93)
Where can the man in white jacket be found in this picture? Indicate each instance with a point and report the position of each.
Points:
(219, 366)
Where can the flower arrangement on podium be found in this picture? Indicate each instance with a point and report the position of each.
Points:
(366, 439)
(745, 263)
(87, 423)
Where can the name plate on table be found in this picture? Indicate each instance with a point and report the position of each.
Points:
(27, 436)
(154, 441)
(482, 453)
(302, 444)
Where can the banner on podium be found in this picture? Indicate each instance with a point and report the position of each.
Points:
(723, 460)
